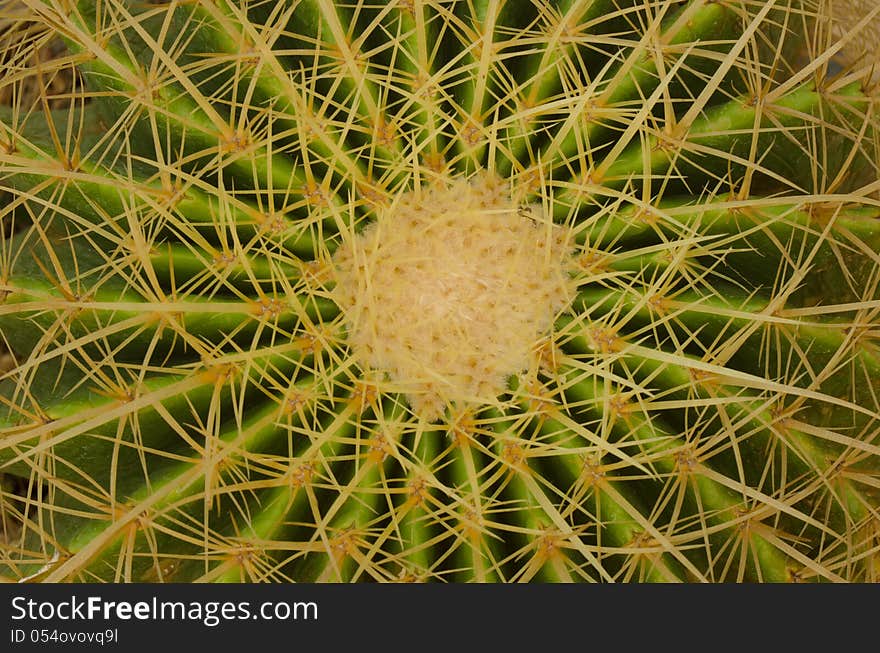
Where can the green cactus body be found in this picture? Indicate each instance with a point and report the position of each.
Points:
(443, 291)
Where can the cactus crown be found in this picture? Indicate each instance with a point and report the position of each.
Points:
(461, 290)
(449, 292)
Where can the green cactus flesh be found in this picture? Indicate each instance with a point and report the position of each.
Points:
(460, 290)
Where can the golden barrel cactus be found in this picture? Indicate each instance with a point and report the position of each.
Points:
(452, 290)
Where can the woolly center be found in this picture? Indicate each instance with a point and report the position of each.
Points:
(450, 289)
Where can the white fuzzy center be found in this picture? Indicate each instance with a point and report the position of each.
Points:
(450, 289)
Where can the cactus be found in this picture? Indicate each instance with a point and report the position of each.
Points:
(558, 290)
